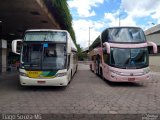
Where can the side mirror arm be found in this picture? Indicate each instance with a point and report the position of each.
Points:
(108, 47)
(155, 50)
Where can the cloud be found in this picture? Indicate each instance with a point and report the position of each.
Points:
(81, 28)
(132, 13)
(134, 9)
(84, 7)
(128, 21)
(156, 14)
(113, 20)
(142, 8)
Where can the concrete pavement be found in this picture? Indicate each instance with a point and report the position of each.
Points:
(86, 95)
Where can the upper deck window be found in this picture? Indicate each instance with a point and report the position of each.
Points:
(54, 36)
(126, 35)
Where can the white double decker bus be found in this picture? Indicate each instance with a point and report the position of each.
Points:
(47, 58)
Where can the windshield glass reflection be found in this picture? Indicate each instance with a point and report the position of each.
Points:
(44, 56)
(131, 35)
(129, 58)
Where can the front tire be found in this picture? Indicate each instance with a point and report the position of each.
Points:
(101, 74)
(97, 67)
(76, 68)
(70, 77)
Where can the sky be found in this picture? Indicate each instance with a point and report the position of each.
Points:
(97, 15)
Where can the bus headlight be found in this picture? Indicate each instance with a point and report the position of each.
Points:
(147, 70)
(61, 74)
(23, 74)
(115, 72)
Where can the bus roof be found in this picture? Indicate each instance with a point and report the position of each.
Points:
(121, 27)
(97, 41)
(124, 27)
(34, 30)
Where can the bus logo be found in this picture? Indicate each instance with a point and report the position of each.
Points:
(131, 74)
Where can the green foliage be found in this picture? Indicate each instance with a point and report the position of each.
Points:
(60, 10)
(81, 55)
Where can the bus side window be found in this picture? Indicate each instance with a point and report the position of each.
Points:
(105, 36)
(75, 58)
(105, 56)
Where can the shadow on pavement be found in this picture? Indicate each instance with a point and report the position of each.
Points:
(123, 84)
(42, 88)
(12, 83)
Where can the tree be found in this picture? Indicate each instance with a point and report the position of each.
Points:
(60, 10)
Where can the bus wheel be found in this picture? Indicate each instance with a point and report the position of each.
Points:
(97, 68)
(90, 67)
(70, 77)
(76, 68)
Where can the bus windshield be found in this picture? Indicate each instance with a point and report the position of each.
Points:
(126, 35)
(43, 56)
(54, 36)
(129, 58)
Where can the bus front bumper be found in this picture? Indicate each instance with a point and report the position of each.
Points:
(118, 78)
(57, 81)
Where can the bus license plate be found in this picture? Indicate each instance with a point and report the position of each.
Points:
(131, 79)
(41, 82)
(33, 74)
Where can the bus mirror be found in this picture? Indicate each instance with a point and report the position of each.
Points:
(107, 45)
(155, 50)
(16, 46)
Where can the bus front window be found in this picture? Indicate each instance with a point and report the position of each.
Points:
(129, 58)
(126, 35)
(43, 56)
(54, 57)
(53, 36)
